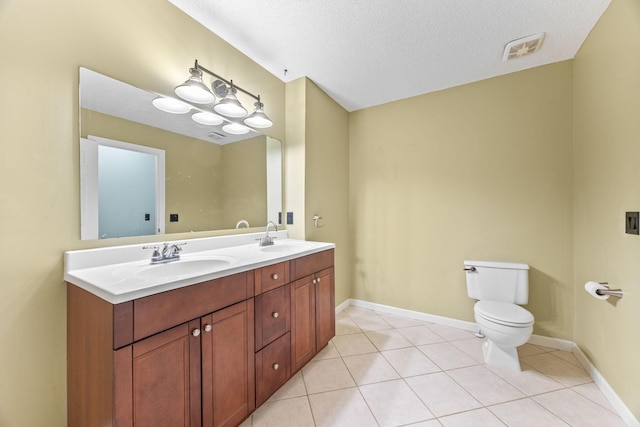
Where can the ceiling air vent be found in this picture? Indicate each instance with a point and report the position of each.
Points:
(216, 135)
(523, 47)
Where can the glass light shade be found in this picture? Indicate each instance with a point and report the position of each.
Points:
(230, 106)
(236, 129)
(258, 119)
(207, 118)
(194, 90)
(170, 105)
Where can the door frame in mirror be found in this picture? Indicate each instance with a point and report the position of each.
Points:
(89, 185)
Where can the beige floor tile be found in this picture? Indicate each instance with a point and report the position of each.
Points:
(446, 356)
(293, 388)
(360, 312)
(593, 393)
(341, 408)
(326, 375)
(441, 394)
(451, 334)
(430, 423)
(348, 345)
(409, 362)
(530, 349)
(372, 323)
(400, 321)
(388, 339)
(526, 413)
(528, 381)
(329, 352)
(294, 412)
(484, 385)
(577, 410)
(472, 347)
(370, 368)
(393, 403)
(476, 418)
(568, 357)
(560, 370)
(420, 335)
(345, 325)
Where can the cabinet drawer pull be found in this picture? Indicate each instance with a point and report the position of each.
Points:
(195, 332)
(276, 366)
(275, 314)
(274, 277)
(208, 328)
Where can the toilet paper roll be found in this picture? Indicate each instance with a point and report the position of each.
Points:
(592, 287)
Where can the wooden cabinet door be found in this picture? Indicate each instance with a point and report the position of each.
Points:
(303, 322)
(165, 379)
(228, 375)
(325, 308)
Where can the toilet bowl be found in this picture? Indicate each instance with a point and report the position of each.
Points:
(505, 326)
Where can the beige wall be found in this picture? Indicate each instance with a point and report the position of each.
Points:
(317, 173)
(326, 180)
(482, 171)
(147, 43)
(607, 177)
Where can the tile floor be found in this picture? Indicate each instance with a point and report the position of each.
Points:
(385, 370)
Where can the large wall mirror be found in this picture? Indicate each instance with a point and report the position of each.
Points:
(144, 171)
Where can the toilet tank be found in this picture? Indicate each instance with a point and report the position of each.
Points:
(497, 281)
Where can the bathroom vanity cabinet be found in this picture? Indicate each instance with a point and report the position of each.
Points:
(206, 354)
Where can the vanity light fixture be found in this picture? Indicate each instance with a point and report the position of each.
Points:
(235, 128)
(194, 90)
(207, 118)
(171, 105)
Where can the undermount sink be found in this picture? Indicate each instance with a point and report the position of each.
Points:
(175, 269)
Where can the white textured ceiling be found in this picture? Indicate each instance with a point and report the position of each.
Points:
(370, 52)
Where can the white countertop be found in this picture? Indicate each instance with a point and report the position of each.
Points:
(124, 273)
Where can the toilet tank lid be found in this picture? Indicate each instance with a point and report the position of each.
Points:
(496, 264)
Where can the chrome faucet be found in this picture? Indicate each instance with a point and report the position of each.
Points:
(169, 252)
(268, 240)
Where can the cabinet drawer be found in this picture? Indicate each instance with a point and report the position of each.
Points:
(307, 265)
(158, 312)
(273, 367)
(272, 315)
(271, 277)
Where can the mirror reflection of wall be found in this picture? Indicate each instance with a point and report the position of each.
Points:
(210, 185)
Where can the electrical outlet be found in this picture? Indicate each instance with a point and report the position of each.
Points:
(173, 217)
(631, 225)
(289, 218)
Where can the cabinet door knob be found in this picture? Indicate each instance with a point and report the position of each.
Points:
(276, 366)
(275, 314)
(208, 328)
(313, 281)
(318, 280)
(275, 277)
(195, 332)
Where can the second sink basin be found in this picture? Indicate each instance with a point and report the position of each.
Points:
(285, 247)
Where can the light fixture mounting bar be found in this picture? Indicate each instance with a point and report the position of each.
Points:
(229, 82)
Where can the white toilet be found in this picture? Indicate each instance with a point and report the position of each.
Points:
(498, 287)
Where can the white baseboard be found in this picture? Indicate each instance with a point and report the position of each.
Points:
(558, 344)
(615, 401)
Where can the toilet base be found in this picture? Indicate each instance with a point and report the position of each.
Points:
(495, 355)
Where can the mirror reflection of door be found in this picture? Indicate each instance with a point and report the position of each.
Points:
(126, 189)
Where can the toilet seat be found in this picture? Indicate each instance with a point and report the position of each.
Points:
(503, 313)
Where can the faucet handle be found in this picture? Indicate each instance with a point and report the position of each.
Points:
(156, 251)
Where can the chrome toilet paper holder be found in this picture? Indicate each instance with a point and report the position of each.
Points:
(611, 292)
